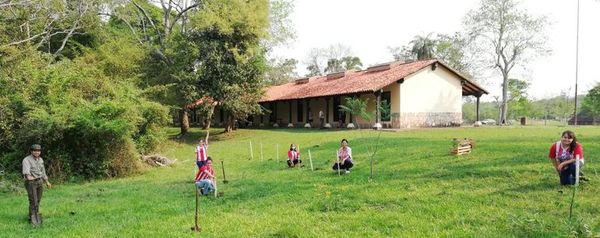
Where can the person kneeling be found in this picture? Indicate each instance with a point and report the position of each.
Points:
(293, 156)
(567, 155)
(205, 179)
(344, 158)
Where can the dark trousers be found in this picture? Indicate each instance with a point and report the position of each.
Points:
(567, 176)
(293, 162)
(35, 189)
(346, 165)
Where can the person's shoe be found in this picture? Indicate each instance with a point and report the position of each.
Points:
(347, 171)
(584, 179)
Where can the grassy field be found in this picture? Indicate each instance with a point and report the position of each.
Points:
(505, 188)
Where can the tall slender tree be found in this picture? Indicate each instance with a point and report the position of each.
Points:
(505, 36)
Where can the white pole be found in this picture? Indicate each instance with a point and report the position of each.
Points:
(577, 170)
(277, 153)
(215, 181)
(310, 159)
(339, 164)
(261, 152)
(251, 153)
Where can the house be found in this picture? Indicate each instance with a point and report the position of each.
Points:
(425, 93)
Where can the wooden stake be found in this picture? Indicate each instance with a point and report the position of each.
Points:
(310, 159)
(251, 153)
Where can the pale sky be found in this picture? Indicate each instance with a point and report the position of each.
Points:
(370, 27)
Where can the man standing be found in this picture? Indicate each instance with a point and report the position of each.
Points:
(322, 118)
(34, 174)
(202, 152)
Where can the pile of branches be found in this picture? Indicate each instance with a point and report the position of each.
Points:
(157, 160)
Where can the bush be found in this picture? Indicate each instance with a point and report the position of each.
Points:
(91, 123)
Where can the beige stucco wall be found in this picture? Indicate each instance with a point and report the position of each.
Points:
(431, 91)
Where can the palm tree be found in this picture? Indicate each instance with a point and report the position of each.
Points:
(423, 47)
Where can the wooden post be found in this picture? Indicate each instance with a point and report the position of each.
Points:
(251, 153)
(310, 159)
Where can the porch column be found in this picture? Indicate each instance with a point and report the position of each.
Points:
(274, 116)
(377, 125)
(351, 115)
(327, 125)
(308, 117)
(477, 112)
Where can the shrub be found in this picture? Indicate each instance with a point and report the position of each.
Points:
(91, 123)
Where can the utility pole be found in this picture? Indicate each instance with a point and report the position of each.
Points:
(576, 66)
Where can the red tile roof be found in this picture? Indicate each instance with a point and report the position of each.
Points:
(354, 82)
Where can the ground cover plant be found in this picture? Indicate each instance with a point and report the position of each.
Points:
(505, 188)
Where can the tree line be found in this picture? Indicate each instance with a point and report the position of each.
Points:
(95, 81)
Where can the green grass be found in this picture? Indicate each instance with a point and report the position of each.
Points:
(505, 188)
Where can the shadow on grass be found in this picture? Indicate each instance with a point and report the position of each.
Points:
(192, 137)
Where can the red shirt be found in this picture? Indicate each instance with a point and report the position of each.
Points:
(204, 173)
(564, 154)
(201, 153)
(293, 155)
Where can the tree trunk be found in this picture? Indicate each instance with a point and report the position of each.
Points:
(208, 119)
(184, 121)
(504, 99)
(229, 124)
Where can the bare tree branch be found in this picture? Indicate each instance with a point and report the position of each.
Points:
(180, 14)
(150, 20)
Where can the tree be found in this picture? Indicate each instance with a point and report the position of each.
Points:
(448, 48)
(343, 64)
(422, 47)
(281, 28)
(281, 71)
(161, 27)
(358, 107)
(518, 101)
(504, 36)
(51, 26)
(591, 102)
(336, 58)
(230, 62)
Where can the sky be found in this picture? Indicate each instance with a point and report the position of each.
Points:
(370, 27)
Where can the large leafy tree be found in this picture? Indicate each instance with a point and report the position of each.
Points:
(230, 62)
(505, 36)
(591, 102)
(161, 27)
